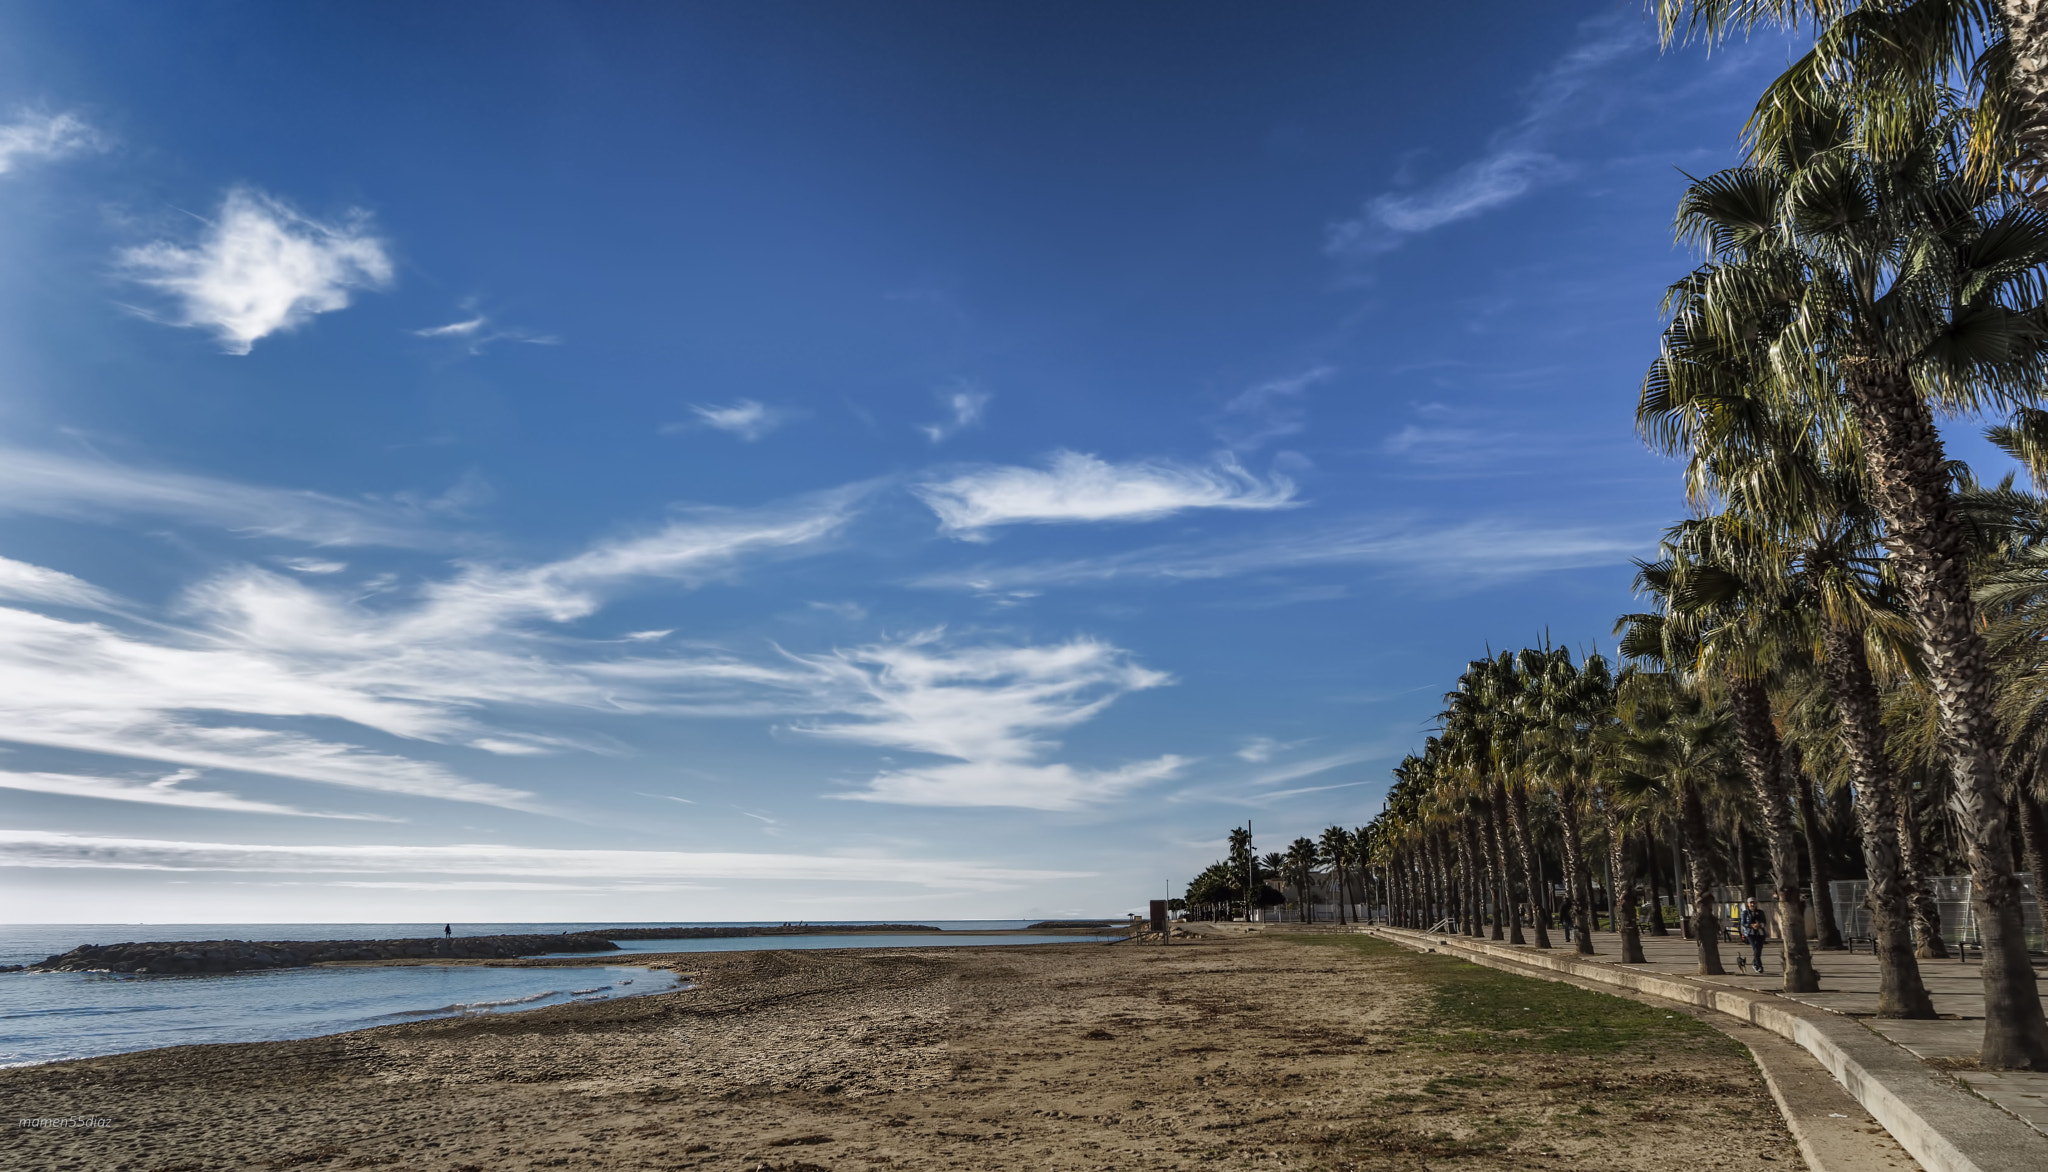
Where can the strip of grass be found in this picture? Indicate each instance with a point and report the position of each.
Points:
(1478, 1008)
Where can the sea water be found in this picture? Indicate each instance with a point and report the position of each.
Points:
(49, 1016)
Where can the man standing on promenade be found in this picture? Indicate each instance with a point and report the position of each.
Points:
(1756, 930)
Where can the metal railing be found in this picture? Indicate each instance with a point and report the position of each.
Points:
(1951, 897)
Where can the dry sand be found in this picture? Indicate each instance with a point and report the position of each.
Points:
(1253, 1053)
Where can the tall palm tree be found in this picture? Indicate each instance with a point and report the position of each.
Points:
(1336, 845)
(1678, 745)
(1885, 274)
(1243, 864)
(1301, 860)
(1569, 704)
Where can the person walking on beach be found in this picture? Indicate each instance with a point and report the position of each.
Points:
(1755, 929)
(447, 931)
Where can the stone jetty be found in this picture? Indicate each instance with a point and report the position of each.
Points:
(234, 956)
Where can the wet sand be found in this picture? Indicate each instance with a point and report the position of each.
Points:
(1243, 1053)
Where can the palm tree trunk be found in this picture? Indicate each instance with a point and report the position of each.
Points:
(1706, 926)
(1496, 875)
(1756, 740)
(2026, 30)
(1476, 861)
(1860, 724)
(1816, 860)
(1576, 874)
(1518, 805)
(1910, 485)
(1501, 833)
(1926, 913)
(1656, 871)
(1344, 894)
(1621, 887)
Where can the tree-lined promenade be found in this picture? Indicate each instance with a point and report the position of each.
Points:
(1841, 666)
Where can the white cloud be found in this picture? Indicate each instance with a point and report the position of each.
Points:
(163, 791)
(1080, 487)
(1477, 187)
(262, 267)
(744, 418)
(1483, 551)
(67, 486)
(1518, 158)
(312, 565)
(458, 329)
(22, 582)
(1269, 410)
(31, 848)
(476, 334)
(260, 648)
(966, 406)
(991, 711)
(44, 136)
(1259, 750)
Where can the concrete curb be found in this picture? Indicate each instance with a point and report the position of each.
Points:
(1945, 1128)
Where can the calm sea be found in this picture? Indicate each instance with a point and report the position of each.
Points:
(49, 1016)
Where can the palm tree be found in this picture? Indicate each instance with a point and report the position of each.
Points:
(1487, 710)
(1887, 275)
(1897, 61)
(1573, 704)
(1336, 845)
(1301, 860)
(1243, 865)
(1678, 746)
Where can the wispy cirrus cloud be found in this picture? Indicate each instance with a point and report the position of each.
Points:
(965, 406)
(1480, 551)
(1076, 487)
(51, 484)
(164, 791)
(991, 713)
(748, 419)
(260, 267)
(30, 848)
(477, 333)
(1518, 159)
(1267, 411)
(23, 582)
(45, 136)
(255, 650)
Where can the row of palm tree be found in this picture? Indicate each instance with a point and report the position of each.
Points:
(1246, 880)
(1848, 618)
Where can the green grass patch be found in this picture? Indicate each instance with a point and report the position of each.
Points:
(1477, 1008)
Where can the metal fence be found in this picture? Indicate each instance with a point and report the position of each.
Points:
(1951, 897)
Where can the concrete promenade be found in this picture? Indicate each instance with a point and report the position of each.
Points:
(1917, 1078)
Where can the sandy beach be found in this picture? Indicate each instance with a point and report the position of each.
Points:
(1252, 1053)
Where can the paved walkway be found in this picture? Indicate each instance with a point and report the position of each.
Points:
(1849, 986)
(1940, 1127)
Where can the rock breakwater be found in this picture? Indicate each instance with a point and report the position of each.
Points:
(739, 932)
(234, 956)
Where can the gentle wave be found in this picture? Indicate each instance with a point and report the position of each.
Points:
(466, 1006)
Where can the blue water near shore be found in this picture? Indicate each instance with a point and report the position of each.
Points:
(46, 1017)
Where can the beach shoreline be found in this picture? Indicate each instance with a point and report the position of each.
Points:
(1044, 1056)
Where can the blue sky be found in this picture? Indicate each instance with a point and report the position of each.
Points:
(555, 461)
